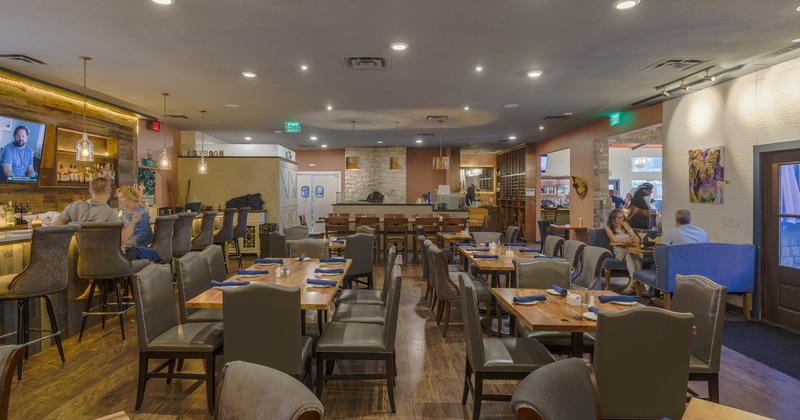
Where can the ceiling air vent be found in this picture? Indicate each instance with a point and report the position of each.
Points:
(22, 57)
(308, 146)
(674, 64)
(503, 141)
(556, 117)
(178, 117)
(366, 63)
(425, 134)
(436, 117)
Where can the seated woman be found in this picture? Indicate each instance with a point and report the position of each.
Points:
(620, 232)
(137, 234)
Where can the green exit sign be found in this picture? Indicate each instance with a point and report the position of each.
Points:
(291, 126)
(614, 118)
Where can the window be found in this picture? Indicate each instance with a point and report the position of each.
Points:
(304, 191)
(319, 191)
(788, 220)
(646, 164)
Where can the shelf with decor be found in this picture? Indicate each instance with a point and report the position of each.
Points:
(69, 172)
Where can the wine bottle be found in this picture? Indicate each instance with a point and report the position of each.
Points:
(17, 213)
(10, 214)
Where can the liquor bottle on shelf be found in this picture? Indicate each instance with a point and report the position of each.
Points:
(17, 213)
(10, 215)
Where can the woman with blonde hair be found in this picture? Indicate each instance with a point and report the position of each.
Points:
(136, 229)
(619, 232)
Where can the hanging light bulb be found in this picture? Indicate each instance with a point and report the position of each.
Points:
(442, 162)
(164, 160)
(84, 148)
(352, 162)
(639, 162)
(202, 166)
(396, 162)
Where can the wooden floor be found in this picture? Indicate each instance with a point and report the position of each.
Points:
(100, 378)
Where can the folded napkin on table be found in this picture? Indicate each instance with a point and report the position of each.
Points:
(528, 299)
(332, 260)
(329, 271)
(269, 261)
(514, 244)
(448, 233)
(215, 283)
(595, 309)
(604, 299)
(486, 256)
(463, 244)
(302, 257)
(339, 241)
(528, 250)
(251, 272)
(561, 291)
(318, 282)
(480, 249)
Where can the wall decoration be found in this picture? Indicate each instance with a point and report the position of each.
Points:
(706, 175)
(579, 185)
(146, 179)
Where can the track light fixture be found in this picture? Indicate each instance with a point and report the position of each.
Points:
(683, 85)
(708, 77)
(664, 91)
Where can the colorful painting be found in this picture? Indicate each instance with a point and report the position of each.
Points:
(146, 179)
(706, 175)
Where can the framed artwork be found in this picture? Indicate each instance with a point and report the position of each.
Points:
(146, 179)
(706, 175)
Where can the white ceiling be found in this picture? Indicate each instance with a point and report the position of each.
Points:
(592, 57)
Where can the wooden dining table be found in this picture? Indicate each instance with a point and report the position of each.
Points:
(311, 297)
(554, 314)
(496, 266)
(570, 231)
(699, 409)
(446, 238)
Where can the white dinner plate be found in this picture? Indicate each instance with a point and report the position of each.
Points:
(553, 292)
(527, 303)
(624, 303)
(590, 315)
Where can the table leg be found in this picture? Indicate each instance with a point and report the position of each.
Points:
(577, 344)
(303, 321)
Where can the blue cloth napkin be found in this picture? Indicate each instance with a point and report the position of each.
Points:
(546, 256)
(146, 253)
(595, 309)
(301, 257)
(251, 272)
(318, 282)
(480, 249)
(528, 299)
(485, 256)
(269, 261)
(329, 271)
(332, 260)
(514, 244)
(339, 241)
(215, 283)
(528, 250)
(463, 244)
(447, 233)
(605, 299)
(561, 291)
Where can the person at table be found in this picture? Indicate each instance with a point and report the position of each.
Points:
(96, 209)
(16, 158)
(423, 199)
(620, 233)
(618, 201)
(136, 229)
(684, 231)
(640, 213)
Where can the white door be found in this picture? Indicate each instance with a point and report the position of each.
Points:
(316, 194)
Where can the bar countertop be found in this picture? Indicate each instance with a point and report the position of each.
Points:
(15, 236)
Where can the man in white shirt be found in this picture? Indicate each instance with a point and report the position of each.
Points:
(684, 232)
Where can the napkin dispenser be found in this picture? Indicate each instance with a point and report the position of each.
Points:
(574, 300)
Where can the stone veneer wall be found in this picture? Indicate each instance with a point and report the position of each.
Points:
(375, 175)
(648, 135)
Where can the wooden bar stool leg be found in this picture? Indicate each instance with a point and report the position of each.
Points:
(87, 308)
(54, 328)
(120, 308)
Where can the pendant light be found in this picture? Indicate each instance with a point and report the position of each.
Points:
(351, 162)
(164, 160)
(442, 162)
(202, 166)
(84, 148)
(396, 162)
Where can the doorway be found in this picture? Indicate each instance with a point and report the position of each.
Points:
(780, 238)
(316, 194)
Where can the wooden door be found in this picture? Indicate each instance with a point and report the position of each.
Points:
(781, 237)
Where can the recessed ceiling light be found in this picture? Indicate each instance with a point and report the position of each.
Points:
(313, 138)
(303, 67)
(323, 146)
(466, 108)
(419, 140)
(380, 141)
(231, 106)
(798, 8)
(164, 2)
(541, 127)
(329, 108)
(512, 137)
(249, 74)
(534, 73)
(278, 131)
(399, 46)
(248, 138)
(510, 105)
(569, 114)
(625, 4)
(479, 69)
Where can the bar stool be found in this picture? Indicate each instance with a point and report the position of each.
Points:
(100, 260)
(47, 273)
(395, 232)
(162, 237)
(182, 234)
(206, 236)
(224, 234)
(240, 232)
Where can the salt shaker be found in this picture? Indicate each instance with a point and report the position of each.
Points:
(590, 299)
(286, 272)
(279, 272)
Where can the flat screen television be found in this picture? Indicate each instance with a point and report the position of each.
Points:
(544, 163)
(20, 150)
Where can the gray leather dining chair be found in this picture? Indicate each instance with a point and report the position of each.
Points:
(369, 312)
(447, 289)
(424, 263)
(313, 248)
(493, 358)
(206, 235)
(643, 336)
(541, 395)
(262, 326)
(359, 248)
(195, 278)
(705, 300)
(46, 274)
(572, 252)
(296, 232)
(591, 267)
(10, 356)
(240, 232)
(369, 296)
(277, 245)
(511, 234)
(162, 237)
(162, 337)
(483, 237)
(216, 262)
(182, 234)
(552, 246)
(224, 234)
(280, 396)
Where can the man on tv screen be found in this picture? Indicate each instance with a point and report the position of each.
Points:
(17, 158)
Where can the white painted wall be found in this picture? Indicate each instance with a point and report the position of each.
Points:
(619, 166)
(557, 163)
(760, 108)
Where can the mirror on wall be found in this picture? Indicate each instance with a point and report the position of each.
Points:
(482, 178)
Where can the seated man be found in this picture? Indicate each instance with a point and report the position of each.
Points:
(95, 209)
(684, 232)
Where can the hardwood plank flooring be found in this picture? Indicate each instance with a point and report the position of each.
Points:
(99, 377)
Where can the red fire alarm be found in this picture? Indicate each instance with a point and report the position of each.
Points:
(155, 125)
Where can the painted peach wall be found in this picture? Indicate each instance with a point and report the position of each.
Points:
(420, 176)
(325, 160)
(471, 160)
(154, 141)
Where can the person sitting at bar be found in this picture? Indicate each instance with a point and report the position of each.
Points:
(96, 209)
(684, 232)
(136, 230)
(620, 233)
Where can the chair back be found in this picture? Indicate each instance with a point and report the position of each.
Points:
(313, 248)
(541, 394)
(182, 234)
(240, 230)
(302, 219)
(155, 303)
(337, 225)
(543, 226)
(395, 226)
(256, 318)
(593, 258)
(225, 233)
(280, 396)
(598, 237)
(359, 249)
(445, 289)
(194, 278)
(511, 234)
(486, 223)
(541, 273)
(482, 237)
(9, 358)
(370, 221)
(206, 236)
(162, 236)
(473, 337)
(423, 252)
(100, 255)
(295, 232)
(662, 341)
(454, 224)
(391, 261)
(277, 245)
(552, 246)
(705, 300)
(392, 312)
(216, 262)
(48, 269)
(572, 252)
(429, 224)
